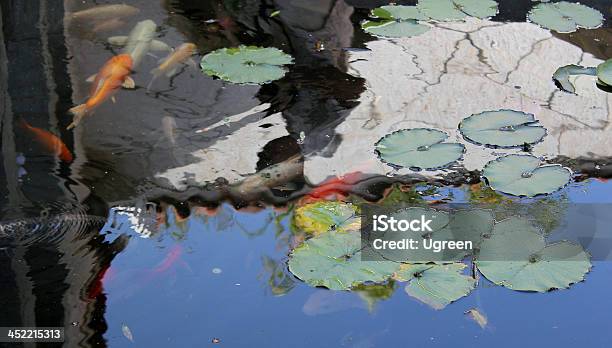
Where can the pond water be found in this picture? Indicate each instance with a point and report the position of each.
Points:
(218, 170)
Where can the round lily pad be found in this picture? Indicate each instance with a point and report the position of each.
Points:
(478, 8)
(522, 175)
(604, 72)
(562, 75)
(502, 128)
(436, 285)
(395, 21)
(321, 216)
(565, 17)
(246, 64)
(333, 260)
(418, 148)
(440, 10)
(517, 257)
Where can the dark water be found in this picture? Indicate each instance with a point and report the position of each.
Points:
(222, 274)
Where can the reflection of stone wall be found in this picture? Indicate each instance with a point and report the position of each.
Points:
(457, 69)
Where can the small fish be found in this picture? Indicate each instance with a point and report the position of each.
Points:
(104, 12)
(171, 63)
(169, 128)
(127, 332)
(140, 41)
(173, 255)
(113, 75)
(49, 141)
(478, 317)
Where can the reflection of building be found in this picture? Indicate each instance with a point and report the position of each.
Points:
(44, 282)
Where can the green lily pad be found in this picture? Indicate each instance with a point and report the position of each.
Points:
(333, 260)
(461, 226)
(522, 175)
(478, 8)
(440, 10)
(246, 64)
(604, 72)
(562, 75)
(502, 128)
(517, 257)
(322, 216)
(565, 17)
(395, 21)
(418, 148)
(436, 285)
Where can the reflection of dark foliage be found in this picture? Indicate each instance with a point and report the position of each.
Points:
(374, 293)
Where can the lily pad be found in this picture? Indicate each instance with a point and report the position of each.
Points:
(418, 148)
(246, 64)
(333, 260)
(522, 175)
(478, 8)
(502, 128)
(604, 72)
(436, 285)
(565, 17)
(517, 257)
(395, 21)
(440, 10)
(562, 75)
(322, 216)
(460, 226)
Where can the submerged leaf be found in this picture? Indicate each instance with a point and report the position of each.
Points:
(333, 260)
(522, 175)
(517, 257)
(127, 332)
(436, 285)
(565, 17)
(418, 148)
(322, 216)
(502, 128)
(562, 75)
(246, 64)
(604, 72)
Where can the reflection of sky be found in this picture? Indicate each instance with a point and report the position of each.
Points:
(188, 305)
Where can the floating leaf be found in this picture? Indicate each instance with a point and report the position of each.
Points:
(522, 175)
(246, 64)
(562, 75)
(418, 148)
(502, 128)
(395, 21)
(440, 10)
(462, 226)
(333, 260)
(517, 257)
(436, 285)
(565, 17)
(478, 317)
(604, 72)
(322, 216)
(478, 8)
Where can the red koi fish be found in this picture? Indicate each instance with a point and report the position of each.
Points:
(49, 141)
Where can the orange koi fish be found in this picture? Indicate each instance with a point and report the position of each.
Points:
(113, 75)
(169, 65)
(49, 141)
(173, 255)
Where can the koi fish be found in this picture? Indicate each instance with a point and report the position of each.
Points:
(171, 63)
(338, 186)
(104, 12)
(173, 255)
(49, 141)
(140, 41)
(114, 74)
(108, 25)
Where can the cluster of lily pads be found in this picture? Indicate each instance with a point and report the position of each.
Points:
(512, 253)
(518, 175)
(603, 72)
(395, 21)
